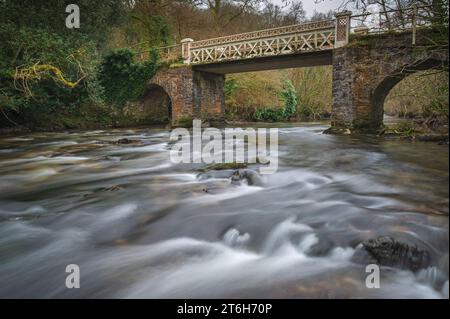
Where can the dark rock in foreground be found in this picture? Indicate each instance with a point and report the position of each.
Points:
(248, 175)
(128, 141)
(236, 177)
(337, 131)
(386, 251)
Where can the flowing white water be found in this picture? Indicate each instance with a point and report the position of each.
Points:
(140, 226)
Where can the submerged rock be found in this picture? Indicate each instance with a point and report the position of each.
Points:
(337, 131)
(438, 138)
(223, 166)
(386, 251)
(248, 176)
(215, 174)
(76, 149)
(237, 177)
(444, 142)
(128, 141)
(112, 188)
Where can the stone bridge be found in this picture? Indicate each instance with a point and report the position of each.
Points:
(365, 68)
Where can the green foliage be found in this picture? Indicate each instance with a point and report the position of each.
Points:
(313, 87)
(230, 88)
(289, 97)
(33, 32)
(148, 29)
(289, 109)
(440, 19)
(185, 122)
(423, 95)
(97, 17)
(270, 115)
(438, 103)
(404, 128)
(160, 30)
(123, 78)
(25, 47)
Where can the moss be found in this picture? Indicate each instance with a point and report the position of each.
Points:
(358, 40)
(223, 166)
(215, 120)
(367, 125)
(184, 122)
(337, 131)
(177, 65)
(426, 34)
(402, 129)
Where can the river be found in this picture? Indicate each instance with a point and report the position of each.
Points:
(139, 226)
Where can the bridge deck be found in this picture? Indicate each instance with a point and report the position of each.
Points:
(307, 59)
(307, 44)
(259, 46)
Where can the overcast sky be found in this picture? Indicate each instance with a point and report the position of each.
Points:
(322, 6)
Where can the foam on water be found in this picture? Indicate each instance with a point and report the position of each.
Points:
(141, 226)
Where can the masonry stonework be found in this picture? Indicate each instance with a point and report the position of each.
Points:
(192, 94)
(366, 70)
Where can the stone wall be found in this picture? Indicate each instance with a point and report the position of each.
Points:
(364, 72)
(179, 86)
(209, 96)
(368, 68)
(193, 94)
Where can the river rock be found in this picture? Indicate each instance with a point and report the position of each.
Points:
(76, 149)
(337, 131)
(249, 176)
(386, 251)
(444, 142)
(223, 167)
(322, 247)
(237, 177)
(215, 174)
(128, 141)
(438, 138)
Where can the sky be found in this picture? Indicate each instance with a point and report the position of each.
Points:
(311, 5)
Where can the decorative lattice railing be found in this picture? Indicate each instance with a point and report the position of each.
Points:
(313, 36)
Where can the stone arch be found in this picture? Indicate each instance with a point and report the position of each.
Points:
(157, 104)
(382, 89)
(368, 68)
(178, 84)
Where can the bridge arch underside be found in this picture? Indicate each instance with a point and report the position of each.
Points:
(382, 90)
(365, 72)
(156, 104)
(286, 61)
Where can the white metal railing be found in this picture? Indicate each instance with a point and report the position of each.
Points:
(312, 36)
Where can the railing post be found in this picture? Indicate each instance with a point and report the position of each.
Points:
(186, 50)
(342, 25)
(414, 24)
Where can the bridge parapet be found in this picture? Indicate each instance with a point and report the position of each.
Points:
(305, 37)
(312, 36)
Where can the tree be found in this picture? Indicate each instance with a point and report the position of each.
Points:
(224, 12)
(46, 67)
(296, 13)
(319, 16)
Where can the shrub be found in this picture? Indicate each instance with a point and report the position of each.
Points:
(123, 78)
(270, 114)
(289, 97)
